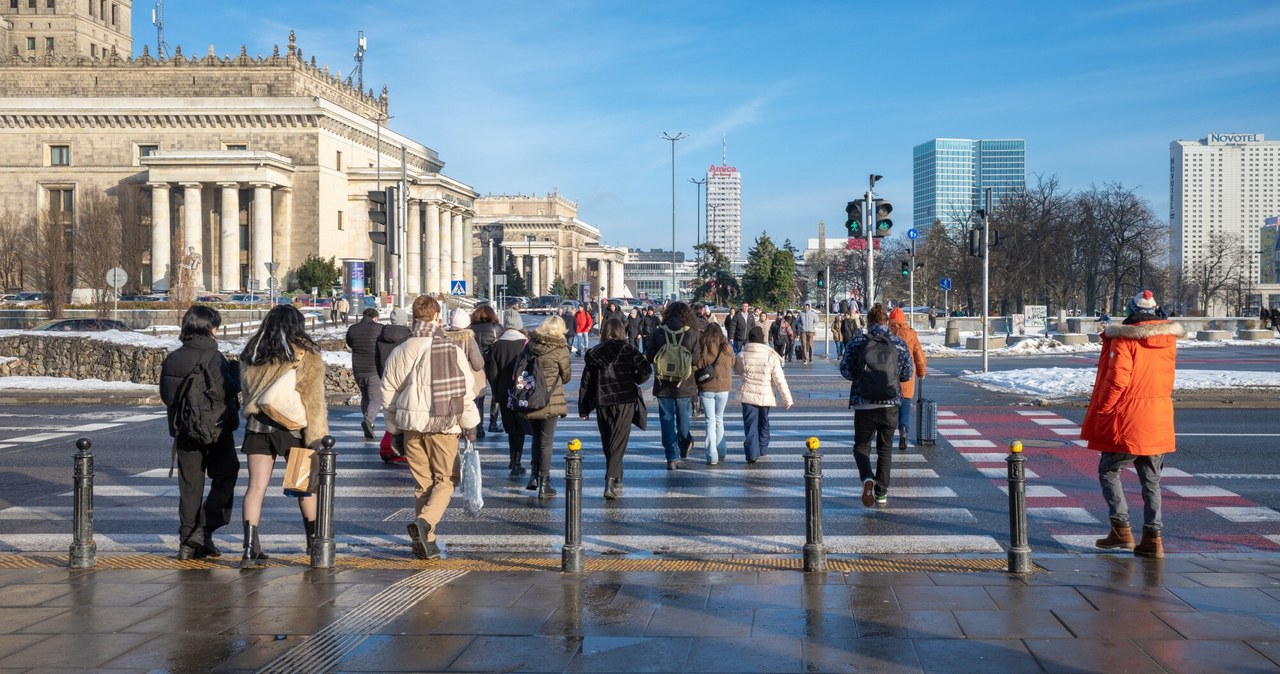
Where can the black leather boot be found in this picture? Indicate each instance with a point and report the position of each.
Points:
(545, 490)
(209, 549)
(253, 554)
(611, 489)
(310, 527)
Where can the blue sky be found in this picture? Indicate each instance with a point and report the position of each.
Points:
(523, 96)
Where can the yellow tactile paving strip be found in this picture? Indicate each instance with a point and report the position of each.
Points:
(514, 563)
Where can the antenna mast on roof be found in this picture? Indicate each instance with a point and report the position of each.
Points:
(157, 20)
(357, 75)
(724, 150)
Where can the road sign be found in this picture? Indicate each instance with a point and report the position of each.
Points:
(272, 267)
(458, 288)
(912, 233)
(1037, 316)
(117, 277)
(944, 283)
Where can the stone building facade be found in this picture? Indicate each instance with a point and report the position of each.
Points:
(547, 239)
(230, 162)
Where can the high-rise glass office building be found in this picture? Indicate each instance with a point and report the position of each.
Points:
(950, 175)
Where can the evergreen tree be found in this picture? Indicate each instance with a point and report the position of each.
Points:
(515, 282)
(782, 277)
(558, 287)
(757, 276)
(317, 272)
(717, 285)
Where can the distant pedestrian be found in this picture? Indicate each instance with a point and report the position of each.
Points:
(760, 371)
(648, 325)
(484, 323)
(333, 309)
(877, 362)
(850, 326)
(500, 371)
(675, 398)
(202, 443)
(427, 391)
(743, 320)
(547, 343)
(280, 346)
(715, 356)
(583, 324)
(899, 327)
(1275, 319)
(362, 339)
(781, 336)
(633, 329)
(459, 330)
(610, 386)
(1130, 419)
(806, 327)
(344, 309)
(511, 318)
(792, 341)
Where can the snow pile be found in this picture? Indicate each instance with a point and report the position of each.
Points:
(63, 384)
(1061, 382)
(337, 358)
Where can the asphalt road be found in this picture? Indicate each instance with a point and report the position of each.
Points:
(1220, 487)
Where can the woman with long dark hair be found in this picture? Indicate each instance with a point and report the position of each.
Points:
(611, 379)
(280, 346)
(484, 323)
(714, 353)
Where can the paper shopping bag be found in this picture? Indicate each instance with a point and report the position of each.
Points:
(300, 472)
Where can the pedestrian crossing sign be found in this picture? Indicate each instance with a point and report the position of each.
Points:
(458, 288)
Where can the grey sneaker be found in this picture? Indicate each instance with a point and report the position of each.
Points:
(422, 548)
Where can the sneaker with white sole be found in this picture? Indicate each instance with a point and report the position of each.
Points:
(868, 492)
(882, 498)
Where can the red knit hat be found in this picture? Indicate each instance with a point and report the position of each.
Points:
(897, 315)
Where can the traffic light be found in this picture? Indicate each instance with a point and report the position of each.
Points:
(906, 268)
(822, 282)
(975, 242)
(883, 223)
(854, 222)
(382, 211)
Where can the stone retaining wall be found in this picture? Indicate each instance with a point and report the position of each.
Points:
(84, 358)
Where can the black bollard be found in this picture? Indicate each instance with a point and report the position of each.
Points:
(84, 552)
(322, 550)
(1019, 551)
(571, 555)
(815, 552)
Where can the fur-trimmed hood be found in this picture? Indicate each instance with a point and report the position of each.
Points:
(1145, 330)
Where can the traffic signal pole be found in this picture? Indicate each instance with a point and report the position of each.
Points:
(986, 272)
(911, 311)
(869, 224)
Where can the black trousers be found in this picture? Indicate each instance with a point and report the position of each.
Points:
(544, 440)
(220, 462)
(614, 422)
(879, 423)
(480, 408)
(516, 428)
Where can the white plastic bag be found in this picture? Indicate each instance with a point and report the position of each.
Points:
(472, 499)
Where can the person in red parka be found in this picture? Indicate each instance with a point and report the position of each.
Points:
(583, 323)
(1130, 418)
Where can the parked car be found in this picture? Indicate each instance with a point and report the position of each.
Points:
(212, 299)
(247, 298)
(80, 325)
(8, 297)
(572, 305)
(27, 298)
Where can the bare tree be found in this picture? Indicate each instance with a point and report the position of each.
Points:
(52, 259)
(135, 234)
(97, 245)
(1211, 276)
(15, 240)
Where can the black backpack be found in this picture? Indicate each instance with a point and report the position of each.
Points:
(529, 391)
(198, 418)
(877, 379)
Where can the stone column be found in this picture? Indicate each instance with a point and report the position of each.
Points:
(161, 236)
(537, 274)
(551, 266)
(431, 279)
(413, 256)
(459, 252)
(468, 256)
(446, 248)
(192, 231)
(261, 235)
(229, 239)
(606, 278)
(615, 277)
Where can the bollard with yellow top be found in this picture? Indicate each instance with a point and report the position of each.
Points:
(1019, 550)
(815, 552)
(571, 555)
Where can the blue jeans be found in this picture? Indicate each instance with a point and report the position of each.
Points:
(904, 415)
(580, 342)
(675, 415)
(713, 403)
(755, 428)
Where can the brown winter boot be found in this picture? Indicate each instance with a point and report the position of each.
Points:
(1151, 546)
(1121, 536)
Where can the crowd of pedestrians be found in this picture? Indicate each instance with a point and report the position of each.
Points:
(430, 376)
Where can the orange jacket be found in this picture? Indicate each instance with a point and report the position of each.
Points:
(898, 326)
(1131, 409)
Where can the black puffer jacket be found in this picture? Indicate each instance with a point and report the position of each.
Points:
(224, 379)
(388, 340)
(362, 339)
(612, 376)
(687, 388)
(499, 369)
(486, 334)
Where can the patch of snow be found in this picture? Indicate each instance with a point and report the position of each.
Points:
(337, 358)
(140, 339)
(1061, 382)
(66, 384)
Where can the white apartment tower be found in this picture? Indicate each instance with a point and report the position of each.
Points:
(1224, 186)
(724, 210)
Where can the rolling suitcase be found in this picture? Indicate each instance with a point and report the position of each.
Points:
(926, 419)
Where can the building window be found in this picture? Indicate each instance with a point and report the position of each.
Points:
(49, 4)
(93, 50)
(13, 4)
(338, 163)
(31, 4)
(235, 146)
(31, 44)
(147, 150)
(62, 203)
(59, 155)
(48, 44)
(114, 10)
(91, 8)
(340, 225)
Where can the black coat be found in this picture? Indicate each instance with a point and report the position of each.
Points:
(499, 369)
(648, 324)
(388, 339)
(633, 327)
(224, 379)
(613, 374)
(486, 334)
(362, 339)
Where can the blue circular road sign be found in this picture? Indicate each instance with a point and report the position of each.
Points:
(912, 233)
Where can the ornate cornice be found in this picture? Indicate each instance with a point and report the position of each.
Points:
(158, 121)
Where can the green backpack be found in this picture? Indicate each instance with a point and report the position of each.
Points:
(673, 363)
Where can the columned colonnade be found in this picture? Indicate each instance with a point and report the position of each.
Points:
(439, 248)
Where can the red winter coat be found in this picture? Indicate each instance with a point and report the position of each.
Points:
(1131, 409)
(582, 321)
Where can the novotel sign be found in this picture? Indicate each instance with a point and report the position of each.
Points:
(1216, 138)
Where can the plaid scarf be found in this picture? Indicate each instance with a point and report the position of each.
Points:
(448, 384)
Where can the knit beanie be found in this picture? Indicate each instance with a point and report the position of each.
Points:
(459, 320)
(1145, 302)
(897, 315)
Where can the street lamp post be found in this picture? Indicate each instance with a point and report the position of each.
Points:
(675, 291)
(528, 272)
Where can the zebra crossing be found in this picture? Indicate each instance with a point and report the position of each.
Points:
(731, 508)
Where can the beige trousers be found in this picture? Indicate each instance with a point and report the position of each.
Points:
(433, 460)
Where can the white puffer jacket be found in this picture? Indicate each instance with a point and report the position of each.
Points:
(759, 369)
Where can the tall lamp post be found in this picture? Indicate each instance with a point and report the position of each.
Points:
(675, 289)
(529, 271)
(697, 213)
